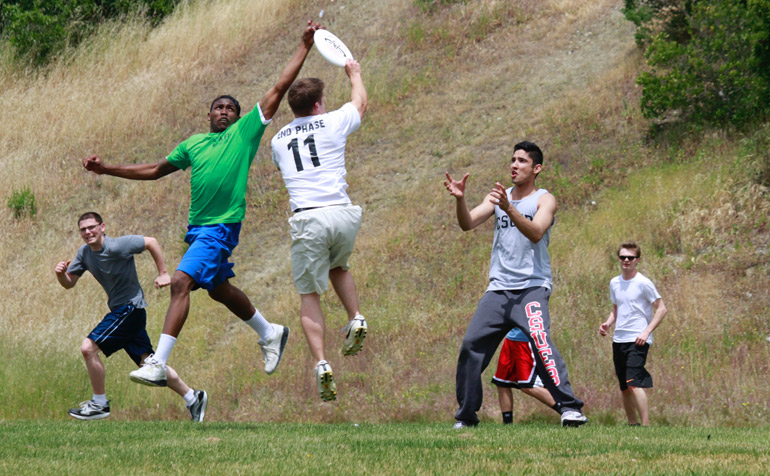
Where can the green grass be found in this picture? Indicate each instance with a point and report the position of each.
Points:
(146, 448)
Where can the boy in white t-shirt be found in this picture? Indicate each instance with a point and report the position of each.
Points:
(637, 309)
(310, 152)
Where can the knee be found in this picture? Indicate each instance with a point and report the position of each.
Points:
(181, 284)
(88, 348)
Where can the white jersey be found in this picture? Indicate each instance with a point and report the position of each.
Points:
(517, 262)
(634, 300)
(310, 152)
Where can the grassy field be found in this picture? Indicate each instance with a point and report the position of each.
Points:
(452, 86)
(150, 448)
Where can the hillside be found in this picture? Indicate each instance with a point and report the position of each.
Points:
(452, 87)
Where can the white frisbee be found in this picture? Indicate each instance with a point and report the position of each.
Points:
(331, 48)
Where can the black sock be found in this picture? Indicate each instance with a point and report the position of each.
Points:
(557, 407)
(507, 418)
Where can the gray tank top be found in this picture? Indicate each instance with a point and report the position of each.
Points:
(516, 262)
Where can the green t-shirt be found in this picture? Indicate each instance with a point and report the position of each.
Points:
(220, 164)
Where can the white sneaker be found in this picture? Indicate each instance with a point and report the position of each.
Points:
(152, 373)
(327, 389)
(90, 410)
(572, 418)
(272, 348)
(355, 332)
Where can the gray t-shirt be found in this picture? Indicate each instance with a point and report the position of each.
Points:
(114, 268)
(516, 262)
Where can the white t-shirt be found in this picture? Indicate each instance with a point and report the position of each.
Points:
(310, 152)
(634, 300)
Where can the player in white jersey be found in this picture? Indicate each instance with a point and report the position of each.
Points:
(310, 152)
(637, 309)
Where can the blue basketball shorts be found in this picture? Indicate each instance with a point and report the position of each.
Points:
(206, 259)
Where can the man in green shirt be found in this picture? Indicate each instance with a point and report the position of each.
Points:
(219, 163)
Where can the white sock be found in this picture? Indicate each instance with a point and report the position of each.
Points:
(100, 399)
(165, 346)
(189, 397)
(260, 324)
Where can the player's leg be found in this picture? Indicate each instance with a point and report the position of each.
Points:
(534, 317)
(505, 398)
(541, 394)
(195, 400)
(640, 398)
(485, 331)
(629, 405)
(343, 224)
(314, 327)
(637, 379)
(355, 330)
(313, 324)
(94, 365)
(111, 334)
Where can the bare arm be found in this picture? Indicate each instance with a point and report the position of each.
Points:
(132, 172)
(468, 219)
(152, 245)
(533, 229)
(660, 313)
(269, 103)
(357, 90)
(610, 320)
(65, 279)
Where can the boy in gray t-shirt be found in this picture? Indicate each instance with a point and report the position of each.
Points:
(111, 262)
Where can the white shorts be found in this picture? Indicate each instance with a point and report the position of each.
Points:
(322, 239)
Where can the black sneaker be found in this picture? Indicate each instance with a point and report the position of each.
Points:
(90, 410)
(198, 409)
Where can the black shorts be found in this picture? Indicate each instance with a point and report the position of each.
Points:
(123, 328)
(629, 361)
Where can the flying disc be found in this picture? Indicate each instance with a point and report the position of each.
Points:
(331, 48)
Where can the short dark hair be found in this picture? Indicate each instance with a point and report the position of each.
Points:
(227, 96)
(93, 215)
(532, 150)
(303, 94)
(630, 245)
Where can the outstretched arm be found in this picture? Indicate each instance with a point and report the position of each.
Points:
(132, 172)
(357, 89)
(468, 219)
(152, 245)
(65, 279)
(269, 103)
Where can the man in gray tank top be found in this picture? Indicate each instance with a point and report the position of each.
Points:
(519, 285)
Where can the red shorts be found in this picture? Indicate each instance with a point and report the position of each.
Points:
(516, 366)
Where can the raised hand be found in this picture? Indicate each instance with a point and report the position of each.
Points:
(456, 188)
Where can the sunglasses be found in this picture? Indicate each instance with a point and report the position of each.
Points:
(627, 258)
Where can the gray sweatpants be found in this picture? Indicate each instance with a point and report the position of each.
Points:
(497, 313)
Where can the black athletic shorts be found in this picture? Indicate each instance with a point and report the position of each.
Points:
(629, 361)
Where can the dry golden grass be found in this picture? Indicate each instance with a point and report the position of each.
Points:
(452, 90)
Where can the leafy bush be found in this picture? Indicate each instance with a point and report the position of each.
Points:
(22, 203)
(709, 59)
(38, 29)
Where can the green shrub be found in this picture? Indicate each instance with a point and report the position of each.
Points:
(38, 29)
(709, 59)
(22, 203)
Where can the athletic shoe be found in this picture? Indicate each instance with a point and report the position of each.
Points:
(90, 410)
(459, 425)
(198, 409)
(152, 373)
(327, 389)
(272, 348)
(355, 332)
(572, 418)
